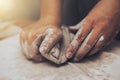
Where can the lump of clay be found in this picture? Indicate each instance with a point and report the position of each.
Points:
(57, 53)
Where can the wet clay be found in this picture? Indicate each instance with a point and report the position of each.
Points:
(14, 66)
(57, 53)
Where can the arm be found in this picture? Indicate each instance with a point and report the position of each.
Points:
(51, 10)
(97, 30)
(45, 33)
(110, 7)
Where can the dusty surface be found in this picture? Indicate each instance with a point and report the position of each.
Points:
(14, 66)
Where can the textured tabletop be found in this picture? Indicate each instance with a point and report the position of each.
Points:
(14, 66)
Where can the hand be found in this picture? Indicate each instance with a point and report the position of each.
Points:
(40, 36)
(96, 31)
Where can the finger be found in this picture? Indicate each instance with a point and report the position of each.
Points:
(23, 43)
(25, 33)
(34, 49)
(104, 41)
(22, 38)
(77, 27)
(73, 28)
(98, 46)
(78, 38)
(31, 50)
(88, 44)
(49, 41)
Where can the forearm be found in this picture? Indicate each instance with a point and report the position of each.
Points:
(110, 7)
(51, 10)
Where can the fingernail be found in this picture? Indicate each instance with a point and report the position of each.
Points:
(69, 55)
(93, 52)
(76, 59)
(43, 49)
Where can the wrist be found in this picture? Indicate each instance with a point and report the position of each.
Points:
(50, 20)
(104, 7)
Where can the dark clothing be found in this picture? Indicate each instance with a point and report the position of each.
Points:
(75, 10)
(85, 6)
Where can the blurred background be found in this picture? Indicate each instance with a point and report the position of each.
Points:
(17, 14)
(19, 9)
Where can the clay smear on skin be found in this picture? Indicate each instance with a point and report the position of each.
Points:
(48, 39)
(80, 27)
(101, 38)
(26, 47)
(75, 42)
(96, 50)
(86, 41)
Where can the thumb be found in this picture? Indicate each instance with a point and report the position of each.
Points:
(49, 41)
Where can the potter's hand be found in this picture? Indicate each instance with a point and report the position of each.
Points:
(41, 36)
(96, 30)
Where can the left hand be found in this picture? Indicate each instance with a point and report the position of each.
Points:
(39, 38)
(96, 31)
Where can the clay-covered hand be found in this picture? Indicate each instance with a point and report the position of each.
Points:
(39, 38)
(96, 31)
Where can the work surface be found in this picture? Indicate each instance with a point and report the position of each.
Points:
(14, 66)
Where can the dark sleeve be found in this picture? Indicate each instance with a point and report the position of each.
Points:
(85, 6)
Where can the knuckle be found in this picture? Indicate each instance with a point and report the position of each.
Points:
(79, 37)
(30, 51)
(37, 57)
(33, 56)
(30, 35)
(70, 48)
(93, 52)
(86, 47)
(43, 48)
(58, 32)
(100, 26)
(88, 21)
(22, 35)
(74, 45)
(27, 53)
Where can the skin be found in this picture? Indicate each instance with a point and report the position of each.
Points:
(96, 31)
(42, 35)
